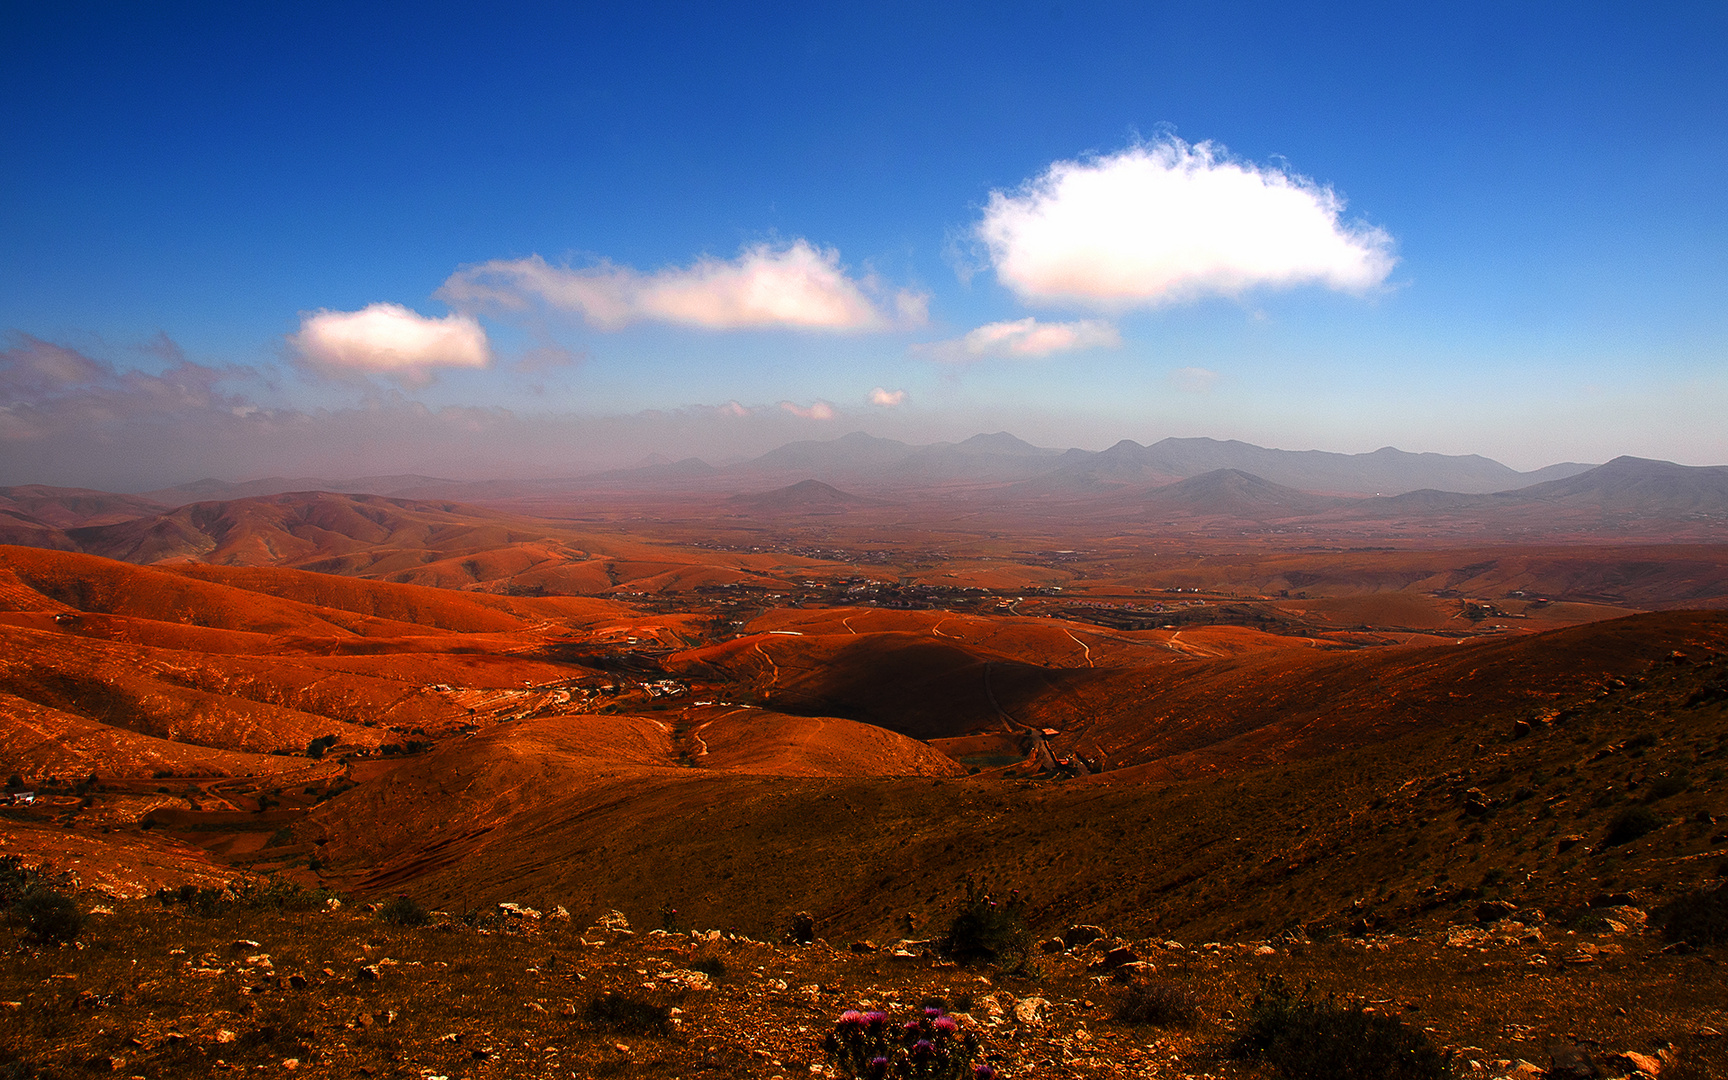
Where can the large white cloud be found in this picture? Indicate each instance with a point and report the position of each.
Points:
(1169, 222)
(887, 398)
(390, 338)
(797, 286)
(1023, 339)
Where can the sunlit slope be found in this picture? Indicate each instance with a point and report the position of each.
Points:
(494, 799)
(98, 655)
(1368, 820)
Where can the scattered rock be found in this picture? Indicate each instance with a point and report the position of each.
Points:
(865, 946)
(1083, 934)
(224, 1036)
(1631, 1061)
(297, 982)
(1052, 945)
(367, 973)
(1524, 1070)
(242, 945)
(332, 904)
(1492, 911)
(1031, 1011)
(612, 920)
(535, 1007)
(561, 913)
(1116, 957)
(1606, 899)
(1567, 843)
(1567, 1061)
(686, 980)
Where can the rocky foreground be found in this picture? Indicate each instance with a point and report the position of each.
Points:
(165, 990)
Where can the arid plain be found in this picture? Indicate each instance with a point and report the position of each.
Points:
(1385, 716)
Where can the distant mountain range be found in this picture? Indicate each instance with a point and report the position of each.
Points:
(1176, 483)
(859, 460)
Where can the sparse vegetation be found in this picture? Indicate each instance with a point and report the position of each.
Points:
(1698, 917)
(48, 915)
(988, 930)
(1308, 1039)
(627, 1014)
(1630, 824)
(1158, 1004)
(404, 910)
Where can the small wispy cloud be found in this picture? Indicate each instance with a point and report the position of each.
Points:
(390, 339)
(1193, 380)
(1169, 222)
(1022, 339)
(797, 286)
(886, 398)
(818, 410)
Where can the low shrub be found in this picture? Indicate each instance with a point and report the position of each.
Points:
(929, 1046)
(275, 894)
(1158, 1004)
(1664, 787)
(49, 916)
(1699, 917)
(1306, 1039)
(1628, 825)
(627, 1014)
(711, 966)
(404, 911)
(988, 930)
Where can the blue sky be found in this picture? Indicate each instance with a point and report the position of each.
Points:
(1514, 239)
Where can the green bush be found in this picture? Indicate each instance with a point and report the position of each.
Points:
(627, 1014)
(1305, 1039)
(1699, 917)
(988, 930)
(49, 916)
(405, 911)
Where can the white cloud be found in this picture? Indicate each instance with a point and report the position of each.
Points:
(819, 410)
(1168, 222)
(390, 338)
(1023, 339)
(732, 408)
(1193, 380)
(887, 398)
(798, 286)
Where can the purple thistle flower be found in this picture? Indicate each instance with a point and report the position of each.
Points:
(878, 1062)
(852, 1017)
(946, 1025)
(910, 1027)
(983, 1072)
(923, 1048)
(932, 1011)
(875, 1018)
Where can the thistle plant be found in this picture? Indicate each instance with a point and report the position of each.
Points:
(930, 1046)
